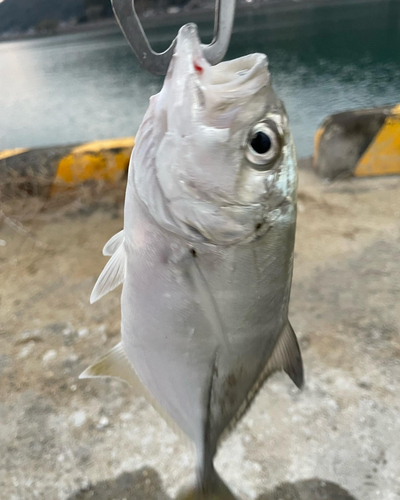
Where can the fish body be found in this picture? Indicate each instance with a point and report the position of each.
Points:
(206, 253)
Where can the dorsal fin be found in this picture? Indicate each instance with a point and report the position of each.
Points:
(112, 275)
(113, 244)
(286, 356)
(116, 364)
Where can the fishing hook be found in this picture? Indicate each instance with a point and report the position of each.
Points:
(158, 62)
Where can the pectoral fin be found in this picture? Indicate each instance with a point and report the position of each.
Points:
(113, 244)
(112, 275)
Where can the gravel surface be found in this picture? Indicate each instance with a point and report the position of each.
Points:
(67, 439)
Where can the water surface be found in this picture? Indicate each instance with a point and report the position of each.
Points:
(88, 86)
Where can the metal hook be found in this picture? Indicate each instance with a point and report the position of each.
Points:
(158, 63)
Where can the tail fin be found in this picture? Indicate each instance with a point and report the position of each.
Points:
(215, 489)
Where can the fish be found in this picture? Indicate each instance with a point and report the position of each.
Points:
(206, 251)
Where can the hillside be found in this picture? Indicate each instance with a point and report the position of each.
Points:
(21, 15)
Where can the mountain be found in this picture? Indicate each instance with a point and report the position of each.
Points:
(21, 15)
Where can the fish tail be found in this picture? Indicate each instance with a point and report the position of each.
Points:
(209, 486)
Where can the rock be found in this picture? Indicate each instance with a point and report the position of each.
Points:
(28, 336)
(83, 332)
(49, 356)
(173, 10)
(4, 361)
(78, 418)
(103, 422)
(26, 350)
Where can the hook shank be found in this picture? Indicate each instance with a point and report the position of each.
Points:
(158, 62)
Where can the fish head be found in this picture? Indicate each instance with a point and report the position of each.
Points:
(214, 160)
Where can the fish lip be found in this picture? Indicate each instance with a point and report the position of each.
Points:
(189, 31)
(244, 75)
(188, 43)
(225, 88)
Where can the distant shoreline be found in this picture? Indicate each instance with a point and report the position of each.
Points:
(164, 19)
(64, 30)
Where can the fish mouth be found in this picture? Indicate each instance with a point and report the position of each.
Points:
(216, 94)
(188, 41)
(244, 75)
(229, 75)
(228, 87)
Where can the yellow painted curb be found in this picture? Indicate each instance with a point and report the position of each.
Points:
(101, 145)
(105, 160)
(317, 140)
(49, 170)
(7, 153)
(382, 156)
(358, 143)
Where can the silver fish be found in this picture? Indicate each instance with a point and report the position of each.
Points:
(206, 253)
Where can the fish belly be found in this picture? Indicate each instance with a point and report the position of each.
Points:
(171, 336)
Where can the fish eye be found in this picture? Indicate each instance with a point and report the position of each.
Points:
(264, 145)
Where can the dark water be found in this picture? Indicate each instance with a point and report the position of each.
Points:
(89, 86)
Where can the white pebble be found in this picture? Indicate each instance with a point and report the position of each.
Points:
(3, 243)
(49, 356)
(103, 422)
(85, 484)
(78, 418)
(26, 350)
(300, 207)
(82, 332)
(73, 358)
(30, 335)
(125, 416)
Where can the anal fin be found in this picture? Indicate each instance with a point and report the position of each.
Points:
(116, 364)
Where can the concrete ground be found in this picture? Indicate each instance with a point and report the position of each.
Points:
(339, 439)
